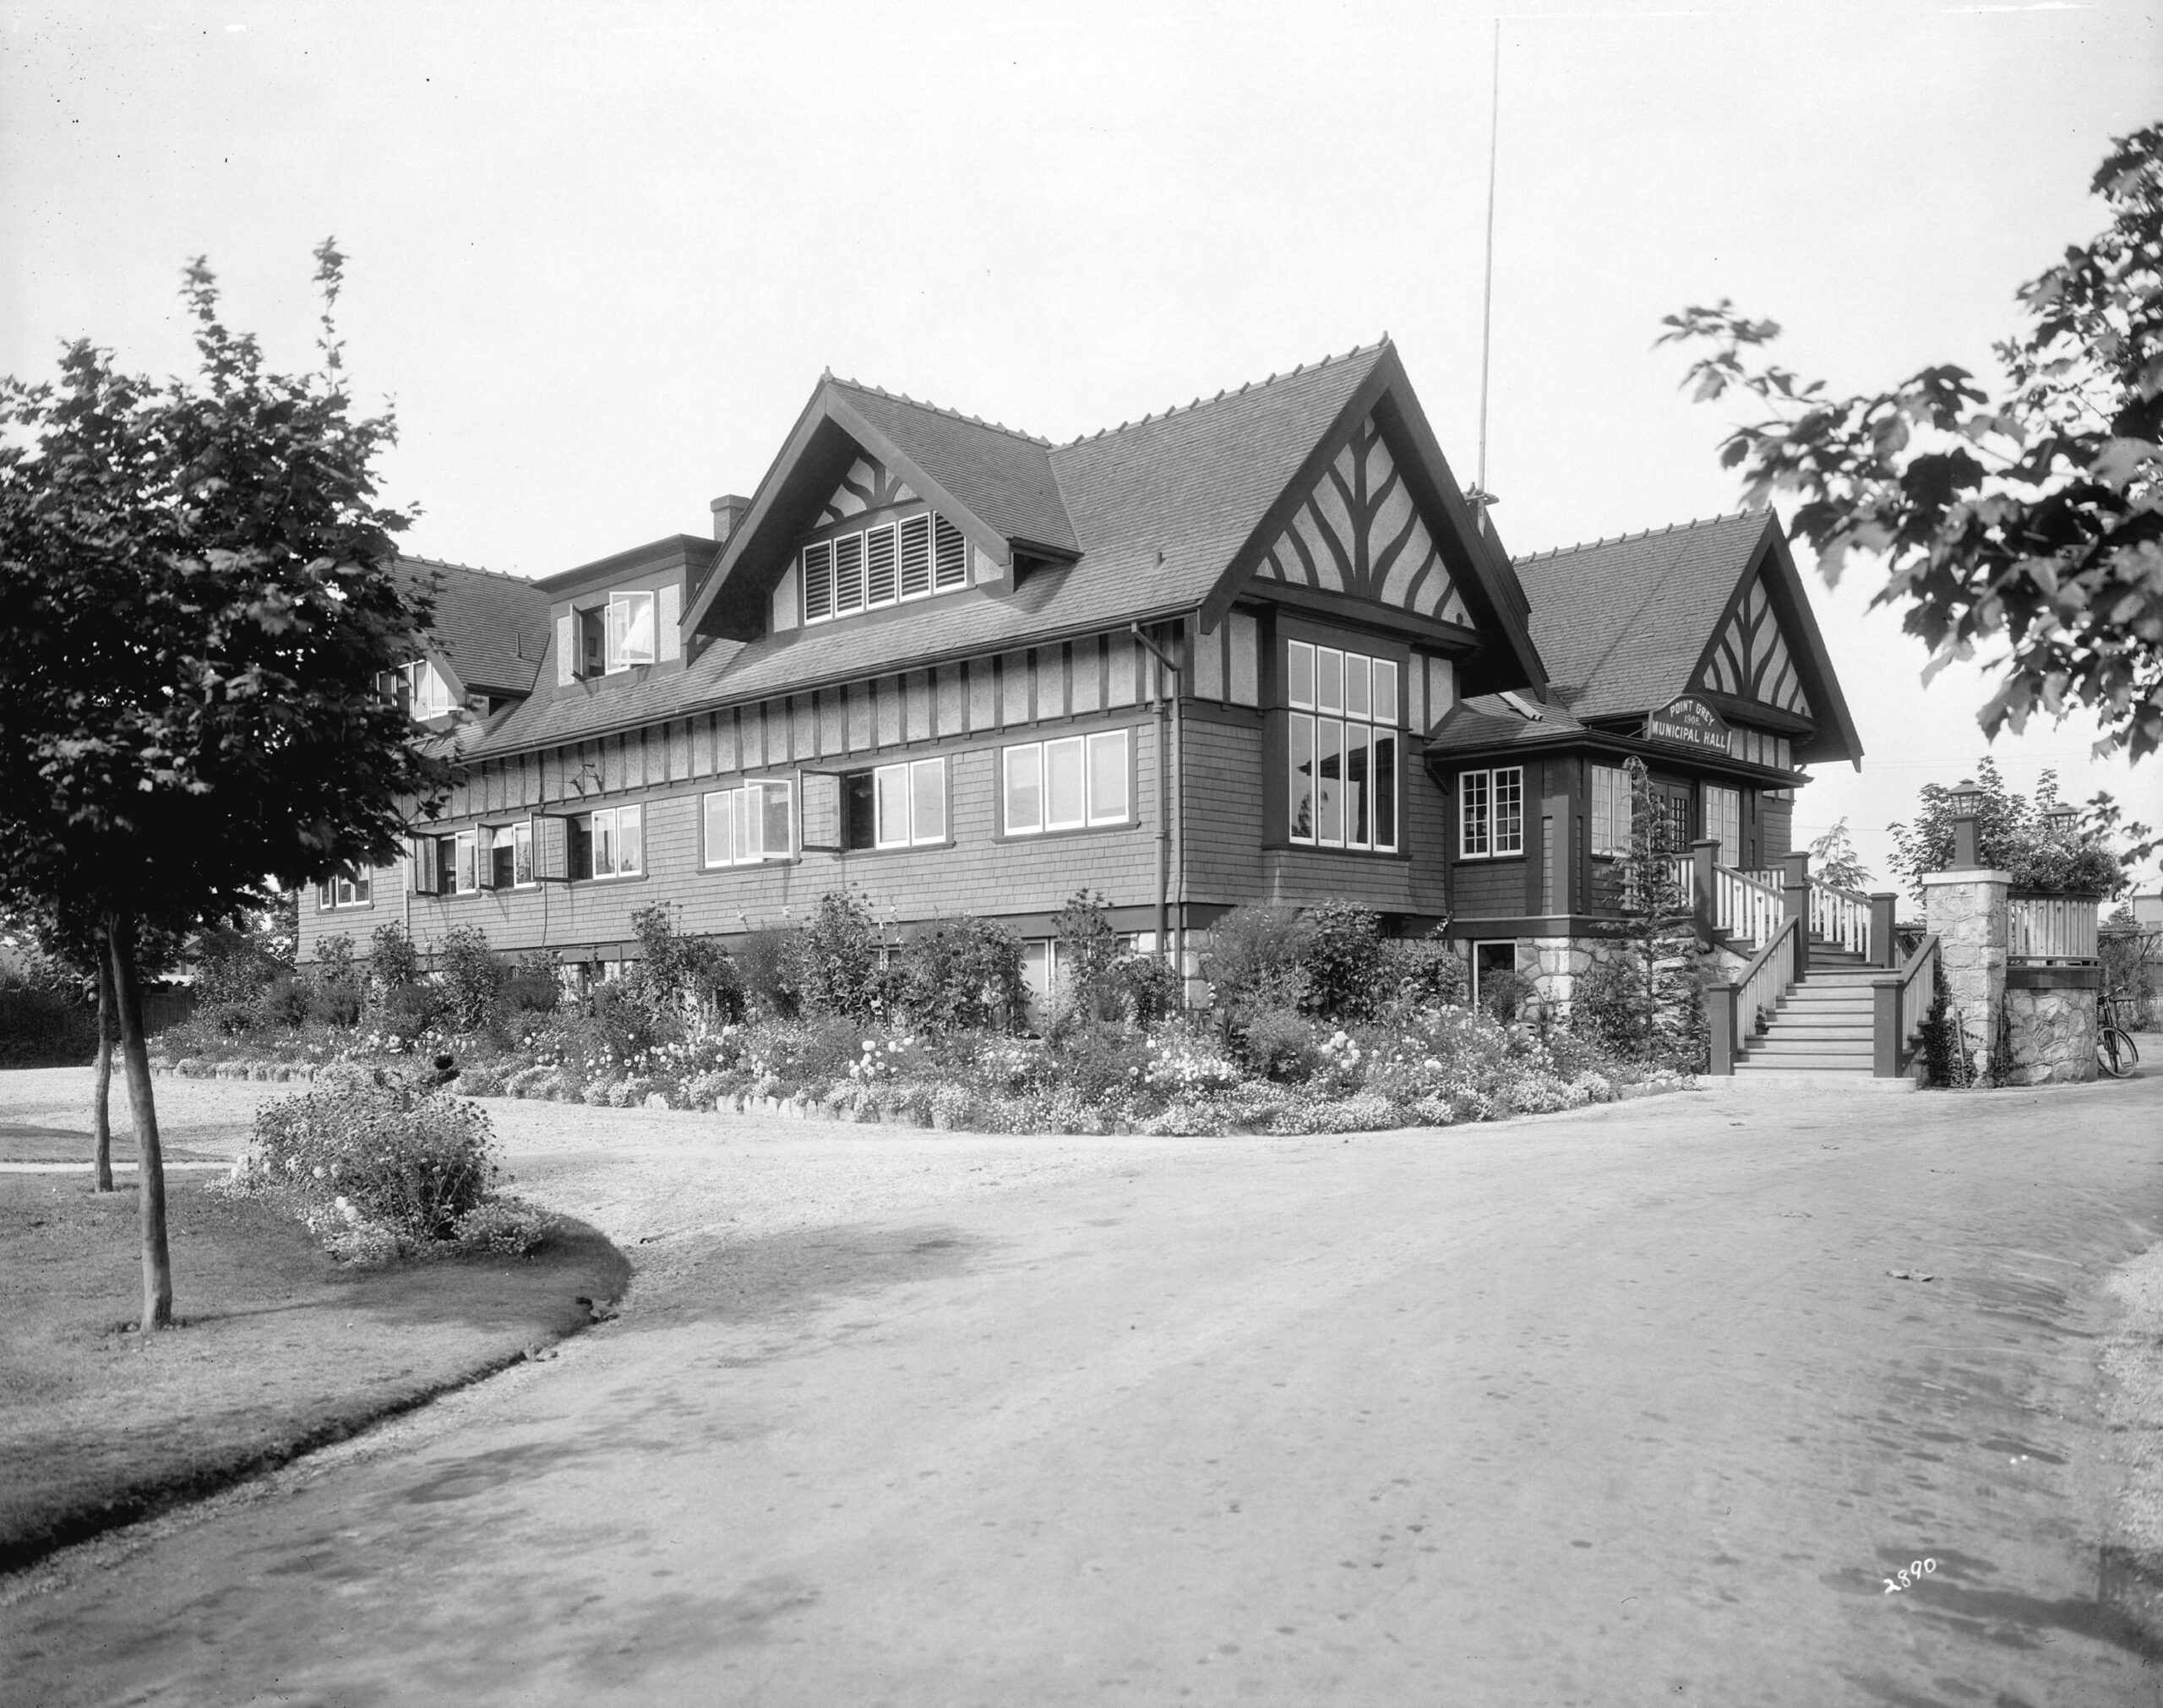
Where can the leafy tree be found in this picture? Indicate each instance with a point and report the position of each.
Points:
(1833, 860)
(2012, 835)
(196, 582)
(2026, 526)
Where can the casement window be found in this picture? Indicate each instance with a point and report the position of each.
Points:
(351, 891)
(1069, 784)
(608, 842)
(1610, 810)
(466, 850)
(507, 856)
(895, 805)
(747, 825)
(1490, 812)
(423, 690)
(629, 631)
(1723, 823)
(1342, 747)
(912, 558)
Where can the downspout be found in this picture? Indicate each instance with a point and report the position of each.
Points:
(1170, 795)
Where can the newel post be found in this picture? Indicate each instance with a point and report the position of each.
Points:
(1703, 897)
(1884, 936)
(1885, 1039)
(1720, 1019)
(1794, 896)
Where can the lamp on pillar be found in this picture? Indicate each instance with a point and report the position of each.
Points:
(2063, 821)
(1967, 801)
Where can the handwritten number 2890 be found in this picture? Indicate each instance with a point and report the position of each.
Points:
(1914, 1574)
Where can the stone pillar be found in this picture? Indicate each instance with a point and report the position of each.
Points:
(1966, 910)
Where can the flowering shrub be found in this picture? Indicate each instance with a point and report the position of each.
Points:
(375, 1148)
(1183, 1065)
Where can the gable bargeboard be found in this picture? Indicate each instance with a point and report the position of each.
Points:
(1358, 532)
(868, 486)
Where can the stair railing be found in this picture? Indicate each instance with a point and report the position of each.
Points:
(1900, 1004)
(1841, 918)
(1745, 905)
(1739, 1012)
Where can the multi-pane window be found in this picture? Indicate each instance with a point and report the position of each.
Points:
(423, 690)
(912, 558)
(1490, 812)
(1065, 785)
(1723, 822)
(630, 630)
(1342, 746)
(507, 855)
(1610, 810)
(608, 842)
(350, 891)
(896, 806)
(466, 851)
(746, 825)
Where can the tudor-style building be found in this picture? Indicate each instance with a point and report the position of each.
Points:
(1692, 648)
(1258, 648)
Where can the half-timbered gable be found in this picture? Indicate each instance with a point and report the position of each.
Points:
(1359, 532)
(1750, 660)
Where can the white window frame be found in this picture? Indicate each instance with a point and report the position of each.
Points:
(419, 681)
(924, 548)
(349, 889)
(1318, 687)
(1610, 839)
(521, 855)
(610, 822)
(1712, 795)
(618, 654)
(912, 777)
(1039, 757)
(1481, 826)
(742, 811)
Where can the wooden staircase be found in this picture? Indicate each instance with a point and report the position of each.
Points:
(1823, 1025)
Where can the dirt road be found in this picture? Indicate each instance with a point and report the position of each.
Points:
(1618, 1407)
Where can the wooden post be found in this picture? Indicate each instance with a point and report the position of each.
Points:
(1886, 1041)
(1720, 1018)
(1703, 896)
(1795, 905)
(1884, 939)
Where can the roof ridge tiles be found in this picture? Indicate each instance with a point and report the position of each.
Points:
(470, 569)
(942, 408)
(1246, 387)
(1746, 511)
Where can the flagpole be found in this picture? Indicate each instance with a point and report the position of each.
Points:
(1487, 292)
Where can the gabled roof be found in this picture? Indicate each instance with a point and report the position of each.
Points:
(1625, 625)
(490, 630)
(1153, 518)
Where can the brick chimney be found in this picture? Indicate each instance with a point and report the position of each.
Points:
(728, 511)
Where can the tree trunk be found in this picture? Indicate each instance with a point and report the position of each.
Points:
(101, 1105)
(150, 1168)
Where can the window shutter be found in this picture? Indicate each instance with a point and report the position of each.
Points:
(670, 640)
(849, 574)
(950, 555)
(878, 571)
(916, 556)
(552, 849)
(817, 582)
(566, 650)
(822, 812)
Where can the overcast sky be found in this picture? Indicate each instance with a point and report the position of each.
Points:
(599, 255)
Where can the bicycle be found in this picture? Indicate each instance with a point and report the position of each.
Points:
(2115, 1051)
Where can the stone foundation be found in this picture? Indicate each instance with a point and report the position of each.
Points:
(2053, 1033)
(1553, 964)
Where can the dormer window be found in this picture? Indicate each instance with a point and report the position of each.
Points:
(912, 558)
(423, 690)
(630, 631)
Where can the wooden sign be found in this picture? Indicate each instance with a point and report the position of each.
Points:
(1688, 722)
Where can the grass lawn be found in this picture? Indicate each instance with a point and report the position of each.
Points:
(280, 1349)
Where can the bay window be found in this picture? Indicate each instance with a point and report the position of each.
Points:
(1070, 784)
(1342, 746)
(1490, 812)
(747, 826)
